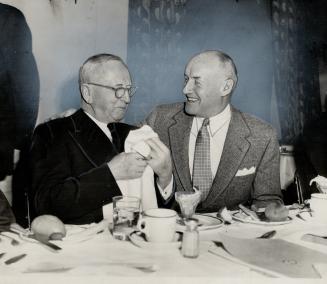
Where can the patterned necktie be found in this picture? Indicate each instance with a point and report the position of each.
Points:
(202, 176)
(115, 137)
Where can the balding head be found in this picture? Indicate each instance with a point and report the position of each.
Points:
(105, 85)
(210, 78)
(223, 62)
(94, 66)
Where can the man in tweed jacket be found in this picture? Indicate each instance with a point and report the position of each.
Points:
(244, 150)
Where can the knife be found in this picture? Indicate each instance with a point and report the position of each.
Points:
(52, 246)
(322, 240)
(15, 259)
(249, 212)
(46, 243)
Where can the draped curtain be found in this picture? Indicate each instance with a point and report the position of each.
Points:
(295, 66)
(153, 38)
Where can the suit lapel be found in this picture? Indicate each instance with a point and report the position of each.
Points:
(179, 133)
(91, 140)
(235, 147)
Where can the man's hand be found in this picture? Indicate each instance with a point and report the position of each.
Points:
(66, 113)
(127, 166)
(160, 161)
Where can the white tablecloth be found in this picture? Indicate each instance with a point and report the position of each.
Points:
(99, 255)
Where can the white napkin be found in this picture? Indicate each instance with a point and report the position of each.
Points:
(142, 187)
(321, 183)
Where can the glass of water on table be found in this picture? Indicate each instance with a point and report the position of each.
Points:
(126, 212)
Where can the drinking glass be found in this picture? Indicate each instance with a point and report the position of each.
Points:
(188, 201)
(126, 212)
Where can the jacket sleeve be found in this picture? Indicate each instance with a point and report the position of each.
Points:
(267, 181)
(57, 189)
(162, 202)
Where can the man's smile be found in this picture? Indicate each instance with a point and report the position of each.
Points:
(192, 100)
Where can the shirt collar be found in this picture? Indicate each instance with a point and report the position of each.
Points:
(101, 124)
(215, 122)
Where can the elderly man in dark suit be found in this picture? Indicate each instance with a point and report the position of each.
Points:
(77, 160)
(230, 156)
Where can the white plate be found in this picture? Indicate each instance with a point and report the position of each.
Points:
(242, 217)
(138, 239)
(206, 222)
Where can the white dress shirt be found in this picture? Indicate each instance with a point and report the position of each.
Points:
(103, 126)
(217, 128)
(167, 191)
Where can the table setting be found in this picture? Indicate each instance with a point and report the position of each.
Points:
(161, 242)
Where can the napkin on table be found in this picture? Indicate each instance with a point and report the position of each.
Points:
(277, 255)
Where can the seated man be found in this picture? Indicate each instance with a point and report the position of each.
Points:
(230, 156)
(76, 161)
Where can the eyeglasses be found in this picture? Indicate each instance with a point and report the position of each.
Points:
(119, 92)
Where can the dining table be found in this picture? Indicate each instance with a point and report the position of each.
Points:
(90, 254)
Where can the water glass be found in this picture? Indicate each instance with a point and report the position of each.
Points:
(126, 211)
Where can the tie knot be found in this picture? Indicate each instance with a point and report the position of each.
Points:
(205, 122)
(111, 126)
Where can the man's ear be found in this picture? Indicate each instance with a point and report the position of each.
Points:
(86, 94)
(227, 87)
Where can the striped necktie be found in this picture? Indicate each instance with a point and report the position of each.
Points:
(202, 176)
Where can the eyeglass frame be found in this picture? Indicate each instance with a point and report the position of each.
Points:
(130, 91)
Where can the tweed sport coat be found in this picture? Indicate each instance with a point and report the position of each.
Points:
(70, 176)
(249, 167)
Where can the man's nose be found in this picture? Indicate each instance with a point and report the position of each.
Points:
(188, 88)
(126, 98)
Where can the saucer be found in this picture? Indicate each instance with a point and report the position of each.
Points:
(138, 239)
(205, 222)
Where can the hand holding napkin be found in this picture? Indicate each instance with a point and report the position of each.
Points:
(142, 187)
(321, 183)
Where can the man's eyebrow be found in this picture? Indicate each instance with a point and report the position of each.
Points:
(121, 85)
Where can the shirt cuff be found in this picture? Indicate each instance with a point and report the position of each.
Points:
(168, 190)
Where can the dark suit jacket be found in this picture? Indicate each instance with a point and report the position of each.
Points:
(249, 143)
(70, 176)
(19, 85)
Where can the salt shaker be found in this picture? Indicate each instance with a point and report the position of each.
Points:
(190, 244)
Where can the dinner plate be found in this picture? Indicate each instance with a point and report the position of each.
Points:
(242, 217)
(205, 222)
(138, 239)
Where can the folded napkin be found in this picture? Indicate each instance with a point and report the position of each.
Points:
(321, 183)
(142, 187)
(277, 255)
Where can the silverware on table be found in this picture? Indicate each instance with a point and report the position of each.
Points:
(322, 240)
(249, 212)
(267, 235)
(15, 259)
(13, 242)
(52, 246)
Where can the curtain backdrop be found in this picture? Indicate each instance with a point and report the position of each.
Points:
(295, 65)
